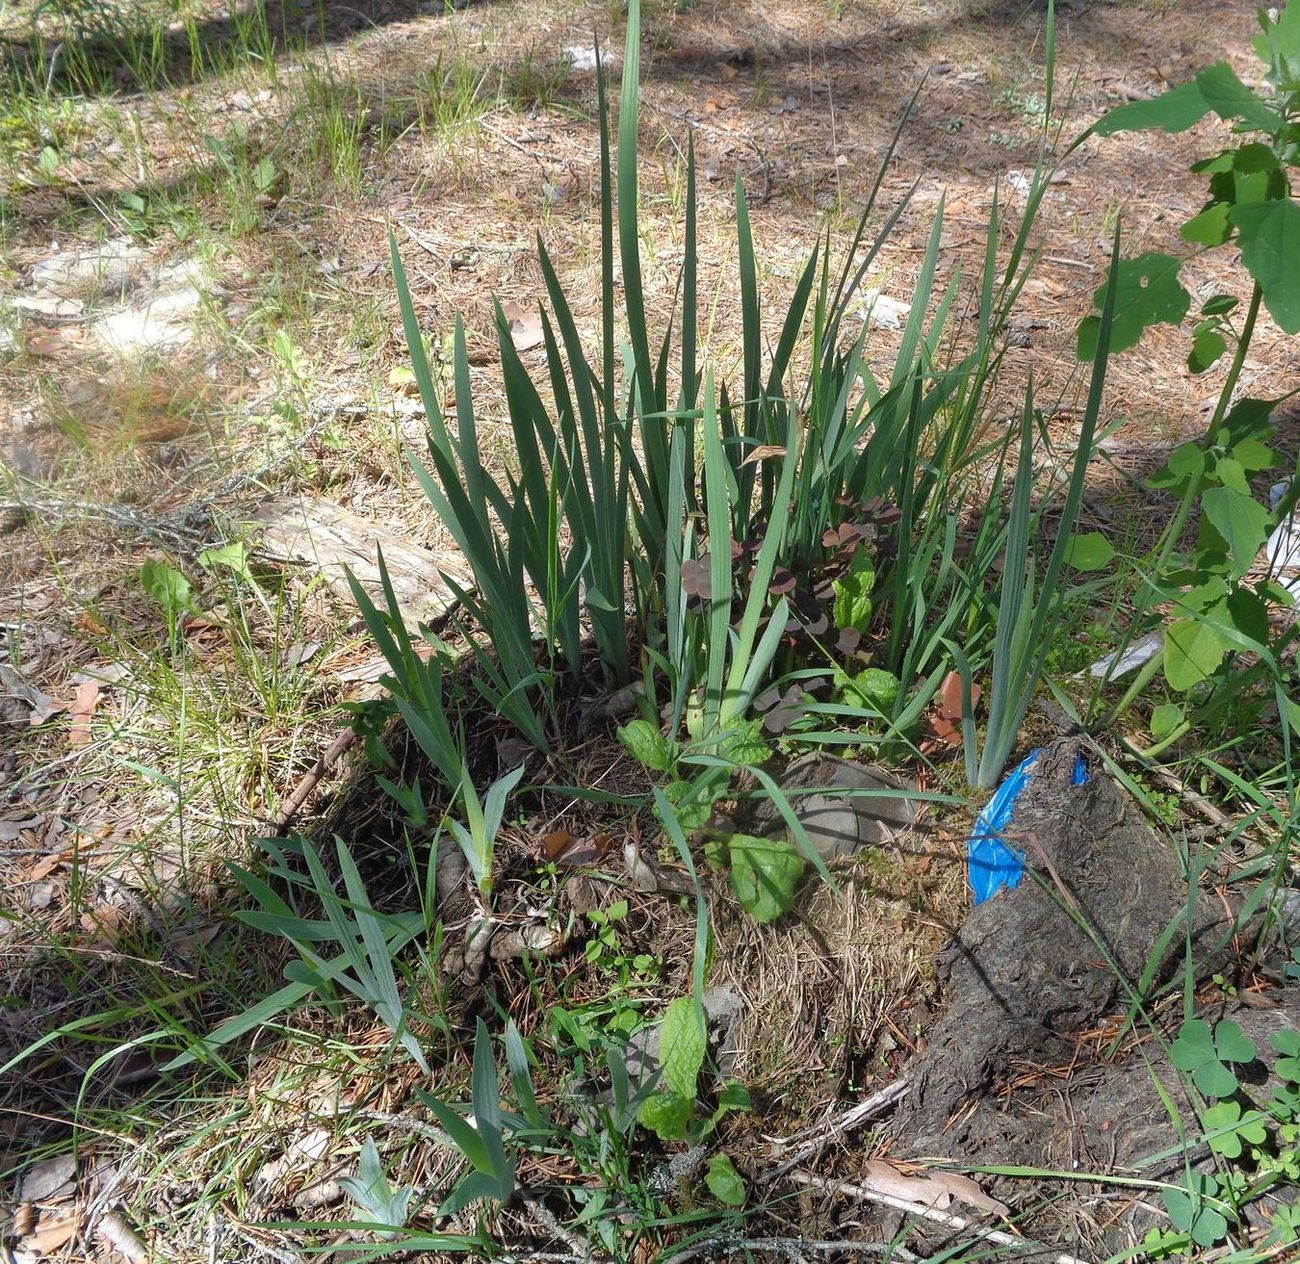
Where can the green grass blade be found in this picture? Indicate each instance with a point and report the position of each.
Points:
(751, 315)
(415, 349)
(740, 686)
(690, 312)
(718, 504)
(647, 408)
(268, 1008)
(485, 1088)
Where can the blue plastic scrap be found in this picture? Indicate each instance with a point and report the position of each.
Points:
(991, 863)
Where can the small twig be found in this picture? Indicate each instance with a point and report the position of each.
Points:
(160, 529)
(797, 1248)
(308, 782)
(945, 1218)
(845, 1122)
(562, 1233)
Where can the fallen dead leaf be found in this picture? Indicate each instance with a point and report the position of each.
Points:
(83, 707)
(47, 865)
(43, 706)
(968, 1191)
(556, 843)
(91, 624)
(49, 343)
(49, 1179)
(525, 325)
(104, 922)
(52, 1236)
(945, 718)
(561, 848)
(12, 827)
(764, 452)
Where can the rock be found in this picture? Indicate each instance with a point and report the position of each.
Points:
(162, 322)
(853, 806)
(107, 270)
(722, 1008)
(881, 311)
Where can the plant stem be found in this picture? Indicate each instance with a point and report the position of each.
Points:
(1173, 532)
(1140, 682)
(1165, 743)
(1175, 528)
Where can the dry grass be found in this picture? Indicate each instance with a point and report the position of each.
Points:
(838, 1000)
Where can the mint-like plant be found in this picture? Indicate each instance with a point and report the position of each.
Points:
(1249, 206)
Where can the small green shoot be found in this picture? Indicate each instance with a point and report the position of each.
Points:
(378, 1202)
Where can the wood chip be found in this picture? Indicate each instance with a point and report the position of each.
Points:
(114, 1231)
(334, 540)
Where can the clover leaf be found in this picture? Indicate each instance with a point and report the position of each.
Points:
(1287, 1043)
(1204, 1055)
(1188, 1210)
(1230, 1131)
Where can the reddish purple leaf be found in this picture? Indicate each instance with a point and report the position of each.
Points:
(697, 577)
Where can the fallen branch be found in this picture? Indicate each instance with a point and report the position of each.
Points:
(162, 530)
(926, 1212)
(826, 1132)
